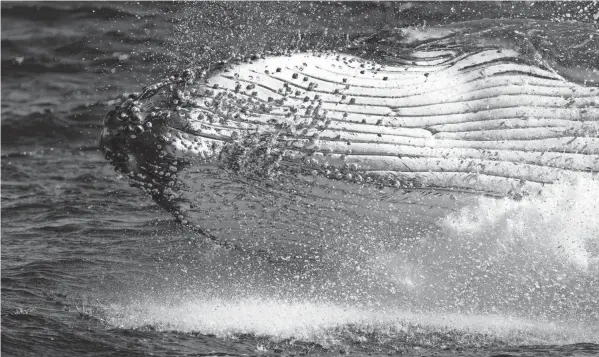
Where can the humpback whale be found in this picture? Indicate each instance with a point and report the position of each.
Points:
(290, 142)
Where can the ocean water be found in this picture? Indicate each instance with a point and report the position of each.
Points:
(90, 266)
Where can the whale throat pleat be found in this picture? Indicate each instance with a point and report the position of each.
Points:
(441, 118)
(489, 121)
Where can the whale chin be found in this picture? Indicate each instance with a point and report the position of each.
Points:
(335, 145)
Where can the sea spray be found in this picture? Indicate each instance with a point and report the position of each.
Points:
(537, 256)
(328, 324)
(499, 272)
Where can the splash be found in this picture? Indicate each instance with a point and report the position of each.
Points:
(538, 256)
(330, 324)
(499, 272)
(559, 225)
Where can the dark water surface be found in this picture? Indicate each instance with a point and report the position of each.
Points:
(92, 267)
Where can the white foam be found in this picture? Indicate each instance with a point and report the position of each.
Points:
(538, 256)
(561, 224)
(327, 323)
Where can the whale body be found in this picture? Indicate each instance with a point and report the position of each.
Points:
(289, 143)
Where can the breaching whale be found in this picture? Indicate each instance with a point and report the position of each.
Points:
(288, 143)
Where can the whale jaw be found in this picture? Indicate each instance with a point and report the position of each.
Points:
(230, 154)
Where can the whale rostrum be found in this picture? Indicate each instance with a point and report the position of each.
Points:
(440, 121)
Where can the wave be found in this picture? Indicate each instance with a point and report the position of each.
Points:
(38, 65)
(40, 127)
(57, 12)
(70, 126)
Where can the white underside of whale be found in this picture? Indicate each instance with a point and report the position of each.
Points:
(473, 121)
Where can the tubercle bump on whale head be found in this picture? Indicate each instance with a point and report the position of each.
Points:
(149, 139)
(134, 136)
(140, 123)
